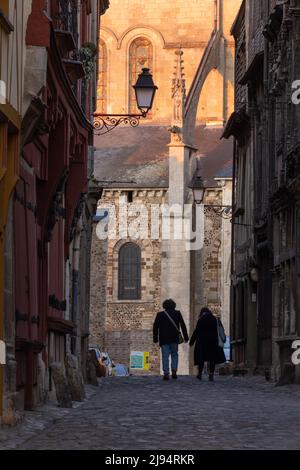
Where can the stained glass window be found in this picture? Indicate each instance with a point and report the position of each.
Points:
(140, 56)
(102, 81)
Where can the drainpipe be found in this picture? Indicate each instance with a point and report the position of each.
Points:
(232, 268)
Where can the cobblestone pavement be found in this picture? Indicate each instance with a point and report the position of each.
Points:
(147, 413)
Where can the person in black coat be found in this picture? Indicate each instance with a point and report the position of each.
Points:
(166, 330)
(207, 347)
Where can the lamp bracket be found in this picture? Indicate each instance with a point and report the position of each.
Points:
(223, 211)
(104, 123)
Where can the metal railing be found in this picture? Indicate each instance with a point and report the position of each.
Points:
(66, 19)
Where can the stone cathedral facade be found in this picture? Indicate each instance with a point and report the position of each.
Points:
(191, 57)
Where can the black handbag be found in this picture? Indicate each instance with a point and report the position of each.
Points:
(221, 333)
(180, 337)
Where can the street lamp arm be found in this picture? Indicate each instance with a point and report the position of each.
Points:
(217, 206)
(145, 90)
(226, 213)
(104, 123)
(223, 211)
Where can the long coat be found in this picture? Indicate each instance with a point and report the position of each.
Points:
(206, 338)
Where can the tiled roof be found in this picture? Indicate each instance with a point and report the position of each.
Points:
(140, 155)
(137, 154)
(216, 154)
(226, 171)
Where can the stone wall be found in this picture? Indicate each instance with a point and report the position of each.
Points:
(98, 291)
(190, 28)
(226, 249)
(120, 326)
(212, 263)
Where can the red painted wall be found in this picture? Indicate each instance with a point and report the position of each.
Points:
(57, 162)
(38, 26)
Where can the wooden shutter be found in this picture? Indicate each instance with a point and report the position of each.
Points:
(130, 272)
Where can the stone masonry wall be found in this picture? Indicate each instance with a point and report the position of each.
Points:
(211, 264)
(190, 28)
(120, 326)
(211, 269)
(98, 291)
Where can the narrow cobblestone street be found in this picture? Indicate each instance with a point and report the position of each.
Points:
(147, 413)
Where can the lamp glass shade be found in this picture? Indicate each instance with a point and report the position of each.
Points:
(144, 98)
(198, 195)
(145, 90)
(198, 187)
(254, 275)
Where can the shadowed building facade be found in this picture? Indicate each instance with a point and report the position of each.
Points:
(265, 124)
(13, 20)
(46, 206)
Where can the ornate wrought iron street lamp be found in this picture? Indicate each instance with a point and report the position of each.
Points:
(145, 90)
(197, 185)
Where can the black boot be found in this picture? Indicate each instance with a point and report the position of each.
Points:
(174, 374)
(166, 377)
(200, 370)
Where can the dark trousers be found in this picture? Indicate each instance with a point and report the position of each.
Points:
(212, 367)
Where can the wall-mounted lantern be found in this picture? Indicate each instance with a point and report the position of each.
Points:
(145, 91)
(197, 185)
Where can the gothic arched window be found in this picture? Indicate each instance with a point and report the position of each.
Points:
(140, 56)
(130, 272)
(102, 81)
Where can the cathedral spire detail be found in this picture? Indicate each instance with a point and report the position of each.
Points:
(178, 97)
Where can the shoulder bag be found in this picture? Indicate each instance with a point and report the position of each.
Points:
(221, 333)
(180, 337)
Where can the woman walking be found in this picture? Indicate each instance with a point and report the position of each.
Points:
(207, 347)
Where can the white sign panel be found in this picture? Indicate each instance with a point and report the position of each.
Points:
(2, 353)
(139, 360)
(2, 92)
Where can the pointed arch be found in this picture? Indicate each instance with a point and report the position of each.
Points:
(211, 59)
(210, 107)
